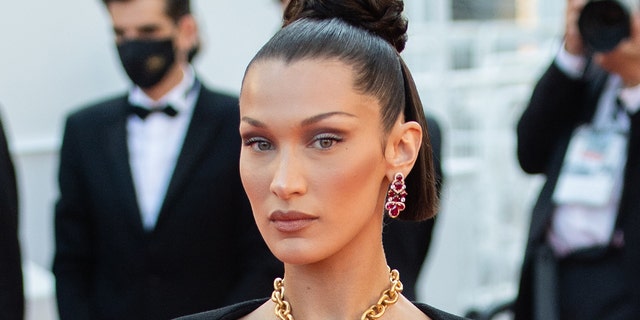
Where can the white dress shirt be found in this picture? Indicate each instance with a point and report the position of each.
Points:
(155, 143)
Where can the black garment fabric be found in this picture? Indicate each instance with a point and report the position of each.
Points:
(11, 287)
(242, 309)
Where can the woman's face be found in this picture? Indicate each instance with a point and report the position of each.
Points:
(312, 161)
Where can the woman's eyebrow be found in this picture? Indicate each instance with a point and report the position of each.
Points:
(322, 116)
(306, 122)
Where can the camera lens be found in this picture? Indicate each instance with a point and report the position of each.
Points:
(603, 24)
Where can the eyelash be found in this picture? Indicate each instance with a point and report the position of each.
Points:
(326, 137)
(256, 142)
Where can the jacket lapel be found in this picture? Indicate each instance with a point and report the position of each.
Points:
(117, 153)
(201, 132)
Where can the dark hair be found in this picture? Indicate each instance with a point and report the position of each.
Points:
(367, 35)
(175, 9)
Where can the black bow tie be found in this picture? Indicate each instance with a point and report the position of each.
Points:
(144, 112)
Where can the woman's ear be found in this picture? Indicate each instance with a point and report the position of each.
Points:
(403, 147)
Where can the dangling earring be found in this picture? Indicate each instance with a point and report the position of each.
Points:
(396, 196)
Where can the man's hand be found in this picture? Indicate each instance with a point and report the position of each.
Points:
(572, 38)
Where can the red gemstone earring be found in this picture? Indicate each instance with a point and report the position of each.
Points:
(396, 196)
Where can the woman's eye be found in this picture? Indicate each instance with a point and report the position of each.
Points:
(326, 141)
(258, 144)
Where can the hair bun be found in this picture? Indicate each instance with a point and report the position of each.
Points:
(381, 17)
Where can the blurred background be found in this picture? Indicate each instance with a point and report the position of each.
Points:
(475, 62)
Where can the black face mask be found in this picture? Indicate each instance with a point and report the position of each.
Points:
(147, 61)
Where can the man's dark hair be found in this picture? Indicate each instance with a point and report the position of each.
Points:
(175, 9)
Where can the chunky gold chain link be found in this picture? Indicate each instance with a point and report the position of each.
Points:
(389, 297)
(283, 308)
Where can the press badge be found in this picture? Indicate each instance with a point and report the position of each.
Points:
(588, 174)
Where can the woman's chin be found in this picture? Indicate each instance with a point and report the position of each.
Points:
(294, 252)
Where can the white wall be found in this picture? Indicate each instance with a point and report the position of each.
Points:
(57, 56)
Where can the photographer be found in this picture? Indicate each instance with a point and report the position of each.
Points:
(581, 130)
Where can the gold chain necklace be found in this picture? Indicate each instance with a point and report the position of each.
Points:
(388, 297)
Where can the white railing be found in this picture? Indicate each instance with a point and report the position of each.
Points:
(476, 78)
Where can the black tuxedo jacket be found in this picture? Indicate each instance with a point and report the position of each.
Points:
(559, 105)
(11, 291)
(205, 251)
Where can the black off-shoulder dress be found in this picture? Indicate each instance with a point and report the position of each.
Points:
(236, 311)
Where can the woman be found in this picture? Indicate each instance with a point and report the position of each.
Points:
(330, 119)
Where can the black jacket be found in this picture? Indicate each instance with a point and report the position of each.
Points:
(11, 291)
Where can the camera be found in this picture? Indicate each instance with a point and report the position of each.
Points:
(603, 24)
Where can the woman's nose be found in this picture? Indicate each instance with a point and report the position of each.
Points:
(288, 178)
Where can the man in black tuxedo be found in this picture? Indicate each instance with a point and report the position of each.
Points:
(581, 130)
(152, 221)
(11, 290)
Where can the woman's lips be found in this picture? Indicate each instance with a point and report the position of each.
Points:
(290, 221)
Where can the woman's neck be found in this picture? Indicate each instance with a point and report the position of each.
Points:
(337, 289)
